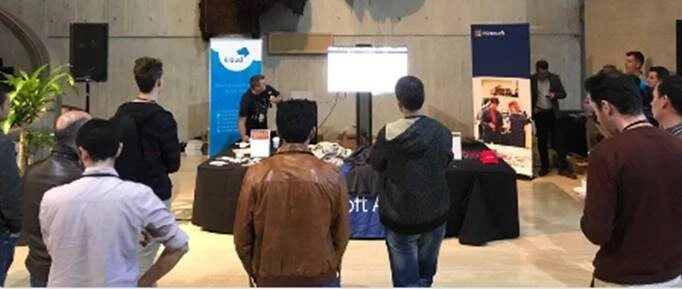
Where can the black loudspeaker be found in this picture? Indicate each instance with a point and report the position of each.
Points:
(678, 47)
(89, 48)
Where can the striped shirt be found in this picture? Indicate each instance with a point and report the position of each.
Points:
(676, 130)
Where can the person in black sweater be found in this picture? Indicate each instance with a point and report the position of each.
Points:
(633, 203)
(159, 137)
(412, 155)
(10, 198)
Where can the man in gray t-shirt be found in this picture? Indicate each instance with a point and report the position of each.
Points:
(667, 104)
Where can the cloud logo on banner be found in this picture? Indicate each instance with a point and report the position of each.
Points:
(236, 60)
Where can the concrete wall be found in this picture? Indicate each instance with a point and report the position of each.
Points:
(648, 26)
(17, 58)
(435, 31)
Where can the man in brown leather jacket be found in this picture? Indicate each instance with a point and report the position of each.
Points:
(291, 225)
(61, 167)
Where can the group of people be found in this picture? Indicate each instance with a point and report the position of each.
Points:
(282, 246)
(85, 224)
(89, 221)
(631, 209)
(633, 206)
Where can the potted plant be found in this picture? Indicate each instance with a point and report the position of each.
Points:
(30, 98)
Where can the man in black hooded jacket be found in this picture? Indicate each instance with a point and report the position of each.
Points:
(412, 154)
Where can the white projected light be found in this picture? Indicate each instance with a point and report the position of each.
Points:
(365, 69)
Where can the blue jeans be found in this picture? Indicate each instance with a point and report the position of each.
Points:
(336, 283)
(7, 244)
(35, 282)
(414, 258)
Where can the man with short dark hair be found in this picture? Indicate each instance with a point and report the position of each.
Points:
(491, 122)
(253, 108)
(655, 74)
(546, 89)
(291, 225)
(10, 197)
(667, 104)
(634, 64)
(158, 134)
(632, 206)
(91, 226)
(61, 167)
(412, 154)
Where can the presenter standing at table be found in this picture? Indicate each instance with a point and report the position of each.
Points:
(253, 109)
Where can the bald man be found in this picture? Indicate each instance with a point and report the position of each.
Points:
(61, 167)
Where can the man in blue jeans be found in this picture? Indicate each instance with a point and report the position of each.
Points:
(412, 154)
(10, 202)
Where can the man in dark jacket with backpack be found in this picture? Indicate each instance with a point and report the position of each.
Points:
(412, 154)
(151, 150)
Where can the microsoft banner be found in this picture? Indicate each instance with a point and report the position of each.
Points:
(501, 91)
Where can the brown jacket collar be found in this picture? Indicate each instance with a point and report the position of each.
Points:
(289, 148)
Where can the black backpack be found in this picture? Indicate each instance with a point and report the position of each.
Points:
(132, 165)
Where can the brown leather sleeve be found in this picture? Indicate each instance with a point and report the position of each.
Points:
(244, 236)
(341, 227)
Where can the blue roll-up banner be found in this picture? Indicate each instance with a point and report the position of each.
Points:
(501, 91)
(232, 62)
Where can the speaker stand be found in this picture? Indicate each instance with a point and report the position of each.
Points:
(363, 112)
(87, 95)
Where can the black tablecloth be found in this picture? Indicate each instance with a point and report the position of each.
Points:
(216, 195)
(484, 201)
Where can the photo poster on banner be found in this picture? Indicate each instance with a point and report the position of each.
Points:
(501, 92)
(505, 127)
(232, 62)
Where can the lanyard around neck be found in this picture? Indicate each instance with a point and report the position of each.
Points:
(641, 121)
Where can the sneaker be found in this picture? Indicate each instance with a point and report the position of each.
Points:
(543, 172)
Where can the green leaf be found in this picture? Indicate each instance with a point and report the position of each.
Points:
(33, 94)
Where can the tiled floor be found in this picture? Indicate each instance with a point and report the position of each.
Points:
(550, 252)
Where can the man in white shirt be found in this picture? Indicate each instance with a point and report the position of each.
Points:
(91, 227)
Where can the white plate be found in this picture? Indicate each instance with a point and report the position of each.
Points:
(218, 163)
